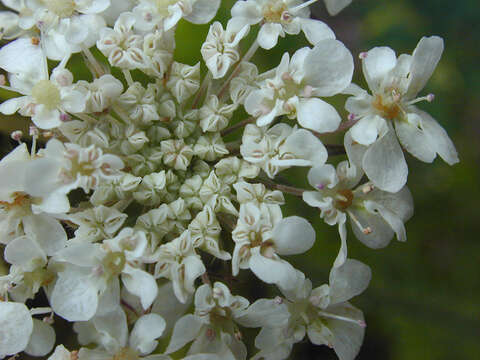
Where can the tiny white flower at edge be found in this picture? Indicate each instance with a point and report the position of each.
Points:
(279, 17)
(375, 215)
(389, 113)
(47, 98)
(297, 84)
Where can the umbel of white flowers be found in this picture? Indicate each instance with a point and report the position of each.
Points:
(167, 201)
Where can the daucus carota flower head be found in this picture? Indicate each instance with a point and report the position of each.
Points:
(158, 182)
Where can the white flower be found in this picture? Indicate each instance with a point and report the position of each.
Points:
(101, 93)
(46, 98)
(280, 17)
(220, 49)
(375, 215)
(212, 327)
(178, 262)
(114, 339)
(280, 147)
(215, 116)
(205, 232)
(150, 13)
(121, 45)
(261, 234)
(395, 83)
(66, 167)
(323, 314)
(296, 85)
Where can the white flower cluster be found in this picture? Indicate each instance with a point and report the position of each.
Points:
(168, 204)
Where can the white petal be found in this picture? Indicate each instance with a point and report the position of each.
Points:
(343, 252)
(147, 328)
(335, 6)
(45, 118)
(17, 326)
(249, 11)
(11, 106)
(317, 115)
(414, 139)
(307, 148)
(112, 324)
(74, 297)
(384, 163)
(381, 233)
(365, 131)
(348, 337)
(293, 235)
(141, 284)
(329, 68)
(22, 56)
(438, 139)
(378, 63)
(348, 280)
(268, 35)
(47, 231)
(22, 251)
(167, 305)
(42, 339)
(392, 219)
(316, 30)
(73, 101)
(324, 175)
(425, 58)
(273, 271)
(264, 312)
(186, 329)
(203, 11)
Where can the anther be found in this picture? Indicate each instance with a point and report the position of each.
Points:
(35, 40)
(367, 230)
(3, 80)
(17, 135)
(321, 186)
(363, 55)
(351, 117)
(64, 117)
(367, 188)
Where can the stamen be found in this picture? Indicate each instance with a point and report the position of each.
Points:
(64, 117)
(321, 186)
(351, 117)
(360, 323)
(366, 230)
(367, 188)
(17, 136)
(429, 98)
(363, 55)
(278, 300)
(301, 6)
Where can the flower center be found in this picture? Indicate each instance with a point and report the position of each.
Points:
(388, 106)
(46, 93)
(62, 8)
(344, 199)
(273, 11)
(125, 354)
(113, 264)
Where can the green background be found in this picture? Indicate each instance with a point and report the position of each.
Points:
(423, 301)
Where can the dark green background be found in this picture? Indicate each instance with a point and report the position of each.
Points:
(423, 301)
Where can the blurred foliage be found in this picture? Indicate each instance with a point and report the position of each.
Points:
(423, 301)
